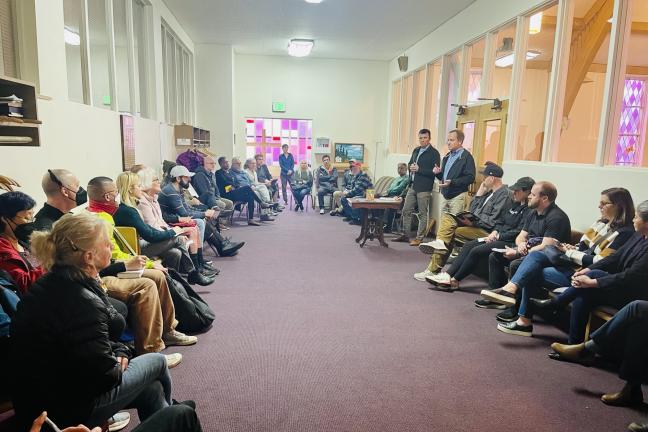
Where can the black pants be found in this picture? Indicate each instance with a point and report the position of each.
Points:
(627, 334)
(473, 255)
(325, 190)
(244, 194)
(497, 265)
(300, 193)
(176, 418)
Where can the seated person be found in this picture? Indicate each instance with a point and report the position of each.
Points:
(539, 269)
(238, 193)
(356, 189)
(250, 170)
(148, 298)
(327, 179)
(168, 244)
(397, 188)
(63, 193)
(176, 210)
(301, 184)
(623, 337)
(264, 176)
(204, 182)
(492, 200)
(16, 215)
(615, 280)
(94, 382)
(347, 178)
(474, 254)
(546, 225)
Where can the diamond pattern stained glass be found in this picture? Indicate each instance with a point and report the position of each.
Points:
(294, 132)
(629, 142)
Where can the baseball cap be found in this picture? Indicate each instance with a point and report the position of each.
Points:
(354, 162)
(492, 169)
(181, 171)
(523, 183)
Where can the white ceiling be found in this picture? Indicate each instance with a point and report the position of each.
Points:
(354, 29)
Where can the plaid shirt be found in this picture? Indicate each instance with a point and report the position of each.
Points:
(359, 184)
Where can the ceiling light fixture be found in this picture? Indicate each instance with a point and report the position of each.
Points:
(313, 1)
(535, 23)
(507, 60)
(70, 37)
(300, 47)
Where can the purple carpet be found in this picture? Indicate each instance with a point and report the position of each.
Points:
(314, 333)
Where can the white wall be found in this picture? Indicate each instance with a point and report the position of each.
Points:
(346, 99)
(81, 138)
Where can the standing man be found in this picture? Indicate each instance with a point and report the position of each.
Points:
(287, 164)
(421, 168)
(327, 178)
(456, 174)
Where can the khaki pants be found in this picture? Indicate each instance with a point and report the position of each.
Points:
(224, 204)
(413, 200)
(150, 307)
(448, 230)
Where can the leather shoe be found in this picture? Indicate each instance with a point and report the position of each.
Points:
(545, 304)
(230, 248)
(573, 353)
(196, 278)
(628, 396)
(415, 242)
(401, 239)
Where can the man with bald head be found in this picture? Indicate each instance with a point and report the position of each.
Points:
(204, 181)
(63, 193)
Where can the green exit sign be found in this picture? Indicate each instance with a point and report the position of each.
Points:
(278, 107)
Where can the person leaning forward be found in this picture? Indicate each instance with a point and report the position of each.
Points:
(421, 168)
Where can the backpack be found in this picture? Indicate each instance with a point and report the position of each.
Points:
(192, 312)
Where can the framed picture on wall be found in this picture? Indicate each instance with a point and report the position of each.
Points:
(345, 152)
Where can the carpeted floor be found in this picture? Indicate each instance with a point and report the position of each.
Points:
(314, 333)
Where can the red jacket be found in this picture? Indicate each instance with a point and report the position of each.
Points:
(15, 265)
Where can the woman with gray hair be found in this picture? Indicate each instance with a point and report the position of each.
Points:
(616, 280)
(68, 313)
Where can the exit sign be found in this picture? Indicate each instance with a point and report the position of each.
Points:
(278, 107)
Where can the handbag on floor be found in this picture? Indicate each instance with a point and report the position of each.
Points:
(192, 312)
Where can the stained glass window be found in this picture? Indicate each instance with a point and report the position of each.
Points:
(296, 133)
(629, 147)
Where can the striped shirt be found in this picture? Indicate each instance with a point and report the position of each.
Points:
(598, 242)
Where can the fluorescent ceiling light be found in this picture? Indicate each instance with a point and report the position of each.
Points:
(71, 38)
(313, 1)
(535, 23)
(300, 47)
(507, 60)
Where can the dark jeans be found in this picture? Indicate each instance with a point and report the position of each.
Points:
(350, 212)
(584, 300)
(497, 265)
(627, 334)
(244, 194)
(285, 179)
(534, 272)
(176, 418)
(299, 193)
(471, 255)
(324, 190)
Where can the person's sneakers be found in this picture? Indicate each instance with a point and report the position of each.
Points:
(252, 222)
(322, 211)
(401, 239)
(195, 277)
(638, 427)
(265, 205)
(173, 360)
(507, 315)
(433, 246)
(174, 337)
(499, 296)
(119, 421)
(266, 218)
(441, 278)
(422, 275)
(333, 212)
(515, 329)
(485, 304)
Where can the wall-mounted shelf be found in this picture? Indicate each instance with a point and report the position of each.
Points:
(190, 136)
(20, 131)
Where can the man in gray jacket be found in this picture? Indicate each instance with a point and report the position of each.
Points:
(491, 200)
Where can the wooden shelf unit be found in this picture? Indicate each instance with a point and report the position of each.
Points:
(28, 125)
(190, 136)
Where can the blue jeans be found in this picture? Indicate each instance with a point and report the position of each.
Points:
(534, 272)
(145, 385)
(200, 224)
(350, 212)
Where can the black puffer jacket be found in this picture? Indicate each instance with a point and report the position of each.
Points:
(62, 354)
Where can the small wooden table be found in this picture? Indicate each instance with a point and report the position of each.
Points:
(372, 227)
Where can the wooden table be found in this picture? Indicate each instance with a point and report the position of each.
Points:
(372, 227)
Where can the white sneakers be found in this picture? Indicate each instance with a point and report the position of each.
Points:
(430, 247)
(174, 337)
(119, 421)
(422, 275)
(442, 278)
(322, 211)
(173, 360)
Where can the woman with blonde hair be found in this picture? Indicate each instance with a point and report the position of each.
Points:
(66, 313)
(167, 244)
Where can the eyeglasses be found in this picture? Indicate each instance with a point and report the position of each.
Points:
(604, 203)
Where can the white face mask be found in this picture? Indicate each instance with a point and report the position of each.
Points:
(117, 199)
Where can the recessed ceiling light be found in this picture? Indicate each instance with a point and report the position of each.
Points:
(507, 60)
(300, 47)
(313, 1)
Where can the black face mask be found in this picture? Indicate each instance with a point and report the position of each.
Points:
(81, 197)
(23, 231)
(184, 185)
